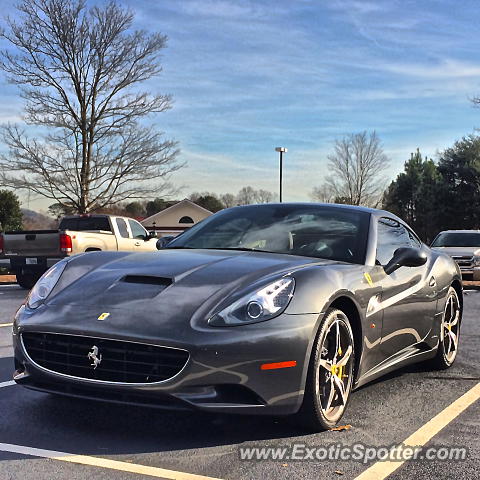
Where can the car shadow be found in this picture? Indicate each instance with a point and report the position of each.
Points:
(89, 427)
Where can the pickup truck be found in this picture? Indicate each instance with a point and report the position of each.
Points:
(32, 252)
(464, 247)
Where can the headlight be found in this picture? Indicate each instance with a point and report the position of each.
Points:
(45, 284)
(264, 304)
(476, 260)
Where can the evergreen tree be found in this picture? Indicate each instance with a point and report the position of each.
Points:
(459, 195)
(210, 202)
(413, 196)
(10, 213)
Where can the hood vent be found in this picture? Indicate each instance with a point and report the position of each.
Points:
(135, 287)
(147, 280)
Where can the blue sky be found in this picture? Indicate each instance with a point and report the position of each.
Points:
(247, 76)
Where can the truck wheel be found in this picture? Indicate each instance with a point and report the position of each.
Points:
(27, 280)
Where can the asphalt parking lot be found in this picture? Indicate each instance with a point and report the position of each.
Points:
(120, 442)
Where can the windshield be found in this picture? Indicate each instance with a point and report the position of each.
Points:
(308, 230)
(457, 239)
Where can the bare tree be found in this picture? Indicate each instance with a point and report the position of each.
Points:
(79, 70)
(246, 196)
(228, 200)
(324, 194)
(357, 167)
(264, 196)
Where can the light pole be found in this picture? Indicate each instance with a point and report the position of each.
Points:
(281, 150)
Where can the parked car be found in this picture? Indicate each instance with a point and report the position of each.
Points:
(33, 252)
(261, 309)
(464, 247)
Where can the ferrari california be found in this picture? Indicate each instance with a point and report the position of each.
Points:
(279, 309)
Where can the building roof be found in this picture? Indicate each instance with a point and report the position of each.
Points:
(173, 207)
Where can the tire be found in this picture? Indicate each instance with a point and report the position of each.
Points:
(449, 333)
(27, 280)
(330, 368)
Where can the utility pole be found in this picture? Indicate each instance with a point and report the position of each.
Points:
(281, 150)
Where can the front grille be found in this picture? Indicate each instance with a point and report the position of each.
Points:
(120, 361)
(464, 261)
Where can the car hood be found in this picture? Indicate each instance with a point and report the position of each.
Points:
(459, 251)
(177, 281)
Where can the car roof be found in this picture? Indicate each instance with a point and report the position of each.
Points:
(88, 215)
(460, 231)
(372, 211)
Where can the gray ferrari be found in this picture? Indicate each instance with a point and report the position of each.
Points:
(279, 309)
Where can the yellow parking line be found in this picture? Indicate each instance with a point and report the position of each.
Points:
(6, 324)
(102, 462)
(381, 470)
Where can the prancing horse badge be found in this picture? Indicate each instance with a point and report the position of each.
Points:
(103, 316)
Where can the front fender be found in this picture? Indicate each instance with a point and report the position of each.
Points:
(317, 287)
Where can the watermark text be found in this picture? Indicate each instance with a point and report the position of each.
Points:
(357, 452)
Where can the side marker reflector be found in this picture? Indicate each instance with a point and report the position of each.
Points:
(274, 366)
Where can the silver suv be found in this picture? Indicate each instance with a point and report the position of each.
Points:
(464, 247)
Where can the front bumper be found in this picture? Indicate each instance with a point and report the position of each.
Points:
(223, 373)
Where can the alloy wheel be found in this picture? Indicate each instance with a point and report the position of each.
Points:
(450, 328)
(335, 368)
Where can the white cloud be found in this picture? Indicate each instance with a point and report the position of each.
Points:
(217, 8)
(445, 68)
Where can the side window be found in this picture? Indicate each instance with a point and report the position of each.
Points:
(137, 230)
(390, 236)
(122, 227)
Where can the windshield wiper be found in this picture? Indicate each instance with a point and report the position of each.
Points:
(240, 249)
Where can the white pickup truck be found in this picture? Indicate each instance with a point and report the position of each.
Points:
(32, 252)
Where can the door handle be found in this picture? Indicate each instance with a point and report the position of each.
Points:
(137, 244)
(432, 283)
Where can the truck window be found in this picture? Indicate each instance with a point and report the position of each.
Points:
(80, 224)
(137, 230)
(122, 227)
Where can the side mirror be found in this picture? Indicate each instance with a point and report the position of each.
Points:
(151, 234)
(405, 257)
(164, 241)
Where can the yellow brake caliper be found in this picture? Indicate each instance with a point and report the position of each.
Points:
(339, 370)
